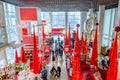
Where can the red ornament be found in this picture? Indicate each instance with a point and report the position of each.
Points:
(117, 28)
(66, 48)
(78, 25)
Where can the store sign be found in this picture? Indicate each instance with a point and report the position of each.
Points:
(28, 14)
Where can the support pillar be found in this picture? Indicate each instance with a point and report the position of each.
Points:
(19, 28)
(83, 20)
(5, 57)
(39, 28)
(50, 20)
(101, 25)
(66, 20)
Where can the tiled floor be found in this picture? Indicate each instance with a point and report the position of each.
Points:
(61, 63)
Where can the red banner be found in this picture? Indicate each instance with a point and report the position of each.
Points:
(24, 31)
(29, 14)
(61, 31)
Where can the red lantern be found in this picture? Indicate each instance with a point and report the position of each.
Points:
(47, 50)
(66, 48)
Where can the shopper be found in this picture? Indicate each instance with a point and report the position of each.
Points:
(53, 71)
(44, 73)
(58, 71)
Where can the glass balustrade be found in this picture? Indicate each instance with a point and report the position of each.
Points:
(3, 37)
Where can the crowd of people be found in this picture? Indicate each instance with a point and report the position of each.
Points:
(56, 53)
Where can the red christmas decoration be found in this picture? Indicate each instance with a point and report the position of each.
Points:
(85, 51)
(95, 48)
(69, 35)
(35, 57)
(112, 69)
(111, 49)
(66, 49)
(16, 57)
(23, 56)
(82, 43)
(76, 66)
(77, 46)
(47, 50)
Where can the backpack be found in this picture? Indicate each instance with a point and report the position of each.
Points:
(44, 73)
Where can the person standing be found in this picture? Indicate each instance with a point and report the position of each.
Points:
(53, 71)
(44, 73)
(58, 71)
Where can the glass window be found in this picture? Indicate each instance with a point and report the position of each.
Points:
(45, 16)
(108, 27)
(58, 19)
(11, 26)
(73, 19)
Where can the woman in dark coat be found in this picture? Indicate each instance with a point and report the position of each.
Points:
(58, 71)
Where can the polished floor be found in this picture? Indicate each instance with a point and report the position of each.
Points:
(61, 63)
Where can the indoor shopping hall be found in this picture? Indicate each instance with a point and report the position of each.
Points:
(59, 39)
